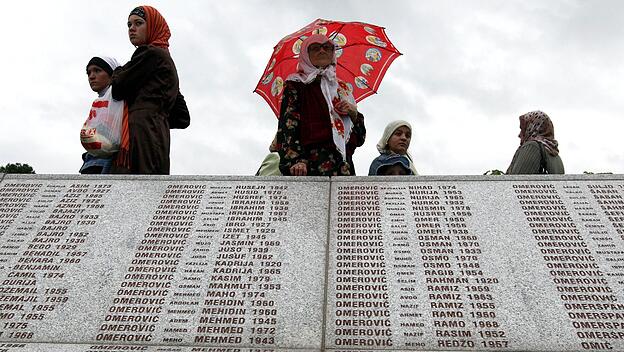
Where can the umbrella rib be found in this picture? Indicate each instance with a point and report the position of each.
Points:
(283, 59)
(355, 75)
(336, 32)
(372, 46)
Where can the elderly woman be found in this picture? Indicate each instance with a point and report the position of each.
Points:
(538, 152)
(395, 140)
(319, 125)
(149, 85)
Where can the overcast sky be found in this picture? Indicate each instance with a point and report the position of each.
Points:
(468, 70)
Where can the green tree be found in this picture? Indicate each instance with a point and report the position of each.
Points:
(494, 172)
(16, 168)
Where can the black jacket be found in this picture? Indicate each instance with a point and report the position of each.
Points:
(149, 85)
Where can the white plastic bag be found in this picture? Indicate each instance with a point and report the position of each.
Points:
(101, 133)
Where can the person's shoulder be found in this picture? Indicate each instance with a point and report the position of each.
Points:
(380, 157)
(293, 85)
(150, 50)
(375, 164)
(531, 146)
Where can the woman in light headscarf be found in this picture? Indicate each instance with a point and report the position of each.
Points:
(149, 84)
(319, 125)
(99, 72)
(395, 140)
(538, 152)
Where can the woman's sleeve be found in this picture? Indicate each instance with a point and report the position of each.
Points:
(527, 160)
(288, 132)
(179, 116)
(127, 79)
(358, 134)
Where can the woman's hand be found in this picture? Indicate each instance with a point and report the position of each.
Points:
(299, 169)
(345, 108)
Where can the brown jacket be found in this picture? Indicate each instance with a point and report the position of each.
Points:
(149, 85)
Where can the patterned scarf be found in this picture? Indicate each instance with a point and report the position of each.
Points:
(333, 90)
(536, 126)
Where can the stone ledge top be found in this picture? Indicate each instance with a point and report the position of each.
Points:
(422, 178)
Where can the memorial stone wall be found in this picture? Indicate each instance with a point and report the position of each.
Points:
(172, 263)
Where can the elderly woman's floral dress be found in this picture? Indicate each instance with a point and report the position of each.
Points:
(295, 144)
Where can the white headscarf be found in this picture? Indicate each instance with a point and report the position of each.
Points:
(113, 65)
(104, 60)
(100, 61)
(307, 73)
(110, 61)
(382, 145)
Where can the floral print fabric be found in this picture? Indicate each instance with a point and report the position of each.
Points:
(322, 159)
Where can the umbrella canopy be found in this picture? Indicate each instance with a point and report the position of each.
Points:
(364, 54)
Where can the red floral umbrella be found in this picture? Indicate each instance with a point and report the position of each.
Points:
(364, 55)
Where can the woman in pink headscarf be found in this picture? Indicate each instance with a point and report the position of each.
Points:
(319, 125)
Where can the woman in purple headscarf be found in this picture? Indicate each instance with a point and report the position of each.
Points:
(319, 125)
